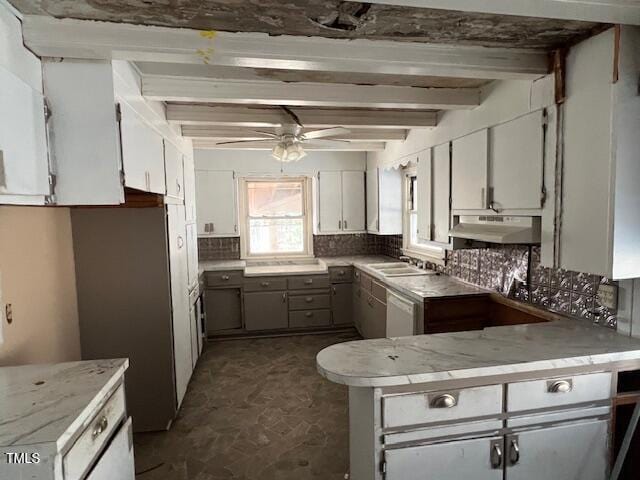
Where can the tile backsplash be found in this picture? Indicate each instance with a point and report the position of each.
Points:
(223, 248)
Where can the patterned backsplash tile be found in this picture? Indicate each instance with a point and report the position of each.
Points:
(223, 248)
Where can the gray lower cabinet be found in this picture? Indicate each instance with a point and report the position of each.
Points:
(223, 309)
(374, 316)
(342, 304)
(265, 310)
(448, 461)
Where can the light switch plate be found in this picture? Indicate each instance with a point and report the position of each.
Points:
(607, 296)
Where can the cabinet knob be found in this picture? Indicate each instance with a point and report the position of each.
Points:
(308, 299)
(446, 400)
(560, 386)
(264, 284)
(225, 277)
(341, 273)
(284, 297)
(308, 314)
(101, 426)
(308, 281)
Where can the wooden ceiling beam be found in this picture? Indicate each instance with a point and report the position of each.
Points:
(204, 143)
(232, 134)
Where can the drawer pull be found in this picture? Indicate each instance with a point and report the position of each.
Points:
(264, 284)
(308, 281)
(496, 455)
(560, 386)
(514, 451)
(100, 427)
(308, 314)
(445, 400)
(308, 299)
(225, 277)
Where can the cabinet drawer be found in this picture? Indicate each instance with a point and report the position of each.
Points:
(223, 279)
(309, 318)
(95, 436)
(341, 274)
(260, 284)
(309, 281)
(307, 302)
(555, 392)
(423, 408)
(379, 291)
(366, 282)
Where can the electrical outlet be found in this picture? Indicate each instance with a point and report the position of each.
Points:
(607, 296)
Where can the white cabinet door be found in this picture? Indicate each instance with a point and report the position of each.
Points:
(517, 163)
(142, 153)
(424, 195)
(189, 188)
(469, 170)
(330, 202)
(373, 218)
(441, 193)
(216, 204)
(174, 172)
(178, 266)
(192, 254)
(24, 168)
(193, 320)
(353, 199)
(390, 201)
(116, 462)
(567, 452)
(446, 461)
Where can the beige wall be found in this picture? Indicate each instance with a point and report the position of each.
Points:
(37, 277)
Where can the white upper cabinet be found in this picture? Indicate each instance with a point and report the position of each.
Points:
(469, 170)
(142, 153)
(341, 202)
(441, 193)
(216, 202)
(424, 194)
(516, 163)
(189, 188)
(24, 168)
(384, 201)
(174, 172)
(353, 200)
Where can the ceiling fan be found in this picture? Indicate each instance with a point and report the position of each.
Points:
(289, 139)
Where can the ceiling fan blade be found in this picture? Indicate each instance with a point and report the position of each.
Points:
(327, 143)
(264, 140)
(268, 134)
(292, 115)
(327, 132)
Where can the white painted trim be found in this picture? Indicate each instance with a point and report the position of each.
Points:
(210, 144)
(89, 39)
(241, 116)
(602, 11)
(250, 92)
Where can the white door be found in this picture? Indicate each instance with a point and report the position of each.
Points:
(372, 201)
(330, 202)
(142, 153)
(469, 170)
(516, 163)
(353, 200)
(189, 188)
(568, 452)
(174, 172)
(216, 207)
(192, 254)
(458, 460)
(423, 195)
(24, 168)
(179, 299)
(441, 196)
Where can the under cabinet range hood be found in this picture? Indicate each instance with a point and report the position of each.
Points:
(497, 229)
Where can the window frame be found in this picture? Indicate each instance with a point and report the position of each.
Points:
(245, 253)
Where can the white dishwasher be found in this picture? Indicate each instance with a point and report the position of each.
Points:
(401, 315)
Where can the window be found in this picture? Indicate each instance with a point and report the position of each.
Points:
(412, 208)
(275, 216)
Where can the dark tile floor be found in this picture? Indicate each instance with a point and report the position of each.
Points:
(255, 409)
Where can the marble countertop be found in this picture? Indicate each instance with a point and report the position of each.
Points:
(48, 404)
(493, 351)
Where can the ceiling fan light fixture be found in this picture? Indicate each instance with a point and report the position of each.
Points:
(288, 152)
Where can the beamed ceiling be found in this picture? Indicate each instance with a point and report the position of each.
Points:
(413, 62)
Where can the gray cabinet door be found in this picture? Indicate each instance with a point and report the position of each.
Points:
(567, 452)
(265, 310)
(447, 461)
(223, 309)
(374, 317)
(357, 307)
(342, 304)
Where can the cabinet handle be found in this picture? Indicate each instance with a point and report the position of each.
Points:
(308, 281)
(446, 400)
(225, 277)
(308, 314)
(100, 427)
(178, 186)
(483, 198)
(560, 386)
(264, 284)
(335, 292)
(180, 241)
(339, 225)
(345, 224)
(284, 297)
(213, 227)
(308, 299)
(357, 274)
(514, 451)
(496, 455)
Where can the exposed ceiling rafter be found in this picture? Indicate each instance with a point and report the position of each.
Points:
(203, 143)
(231, 133)
(52, 37)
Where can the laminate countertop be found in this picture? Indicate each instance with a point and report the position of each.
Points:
(418, 288)
(495, 351)
(49, 404)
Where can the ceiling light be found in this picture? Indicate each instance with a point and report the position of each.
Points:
(288, 151)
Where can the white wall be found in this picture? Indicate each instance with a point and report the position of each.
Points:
(261, 161)
(13, 56)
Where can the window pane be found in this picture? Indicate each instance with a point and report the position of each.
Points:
(276, 235)
(413, 228)
(275, 199)
(414, 194)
